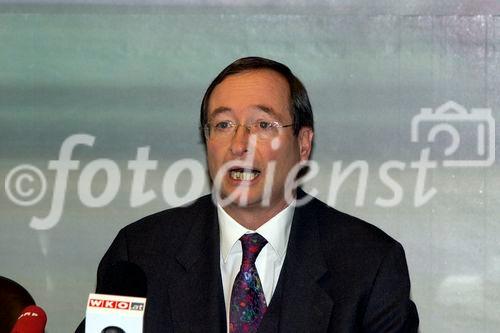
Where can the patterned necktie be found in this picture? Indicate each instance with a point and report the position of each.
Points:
(248, 303)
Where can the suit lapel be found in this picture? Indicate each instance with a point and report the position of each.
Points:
(300, 302)
(196, 295)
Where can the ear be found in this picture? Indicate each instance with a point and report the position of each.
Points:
(305, 138)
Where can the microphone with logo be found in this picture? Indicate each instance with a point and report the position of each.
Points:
(119, 304)
(31, 320)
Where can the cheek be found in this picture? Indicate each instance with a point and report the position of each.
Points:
(212, 159)
(285, 160)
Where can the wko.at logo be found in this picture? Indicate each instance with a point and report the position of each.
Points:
(471, 135)
(114, 304)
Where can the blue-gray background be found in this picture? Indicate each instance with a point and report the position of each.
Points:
(132, 75)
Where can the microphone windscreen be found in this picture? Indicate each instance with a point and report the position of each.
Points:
(13, 299)
(123, 278)
(112, 329)
(31, 320)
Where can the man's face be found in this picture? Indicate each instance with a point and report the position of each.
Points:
(246, 98)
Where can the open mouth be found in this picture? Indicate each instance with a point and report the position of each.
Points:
(243, 174)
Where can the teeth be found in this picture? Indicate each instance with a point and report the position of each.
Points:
(243, 175)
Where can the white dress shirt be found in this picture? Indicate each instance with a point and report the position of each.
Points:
(269, 261)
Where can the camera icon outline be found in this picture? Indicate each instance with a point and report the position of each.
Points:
(451, 112)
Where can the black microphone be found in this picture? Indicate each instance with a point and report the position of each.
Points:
(112, 329)
(123, 278)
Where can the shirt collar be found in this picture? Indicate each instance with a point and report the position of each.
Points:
(276, 231)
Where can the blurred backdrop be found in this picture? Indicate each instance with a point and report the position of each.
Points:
(127, 77)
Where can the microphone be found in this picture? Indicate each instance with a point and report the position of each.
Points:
(120, 300)
(112, 329)
(125, 279)
(31, 320)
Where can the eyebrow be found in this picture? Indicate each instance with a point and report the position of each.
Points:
(266, 109)
(219, 110)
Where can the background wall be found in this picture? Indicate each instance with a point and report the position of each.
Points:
(132, 75)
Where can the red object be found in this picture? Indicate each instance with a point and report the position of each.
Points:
(31, 320)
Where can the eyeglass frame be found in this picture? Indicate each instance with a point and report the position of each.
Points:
(277, 125)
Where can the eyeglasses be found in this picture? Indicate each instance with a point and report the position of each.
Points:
(226, 129)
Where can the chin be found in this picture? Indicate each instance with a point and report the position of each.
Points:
(240, 199)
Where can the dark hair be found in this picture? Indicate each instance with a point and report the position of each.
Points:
(300, 107)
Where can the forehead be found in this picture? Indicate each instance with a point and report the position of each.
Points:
(250, 91)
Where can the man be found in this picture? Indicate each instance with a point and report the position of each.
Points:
(259, 254)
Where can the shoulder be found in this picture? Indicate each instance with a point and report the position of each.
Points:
(342, 226)
(346, 227)
(344, 236)
(167, 228)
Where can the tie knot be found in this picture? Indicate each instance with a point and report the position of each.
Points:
(252, 244)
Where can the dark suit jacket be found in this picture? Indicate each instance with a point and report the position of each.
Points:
(340, 274)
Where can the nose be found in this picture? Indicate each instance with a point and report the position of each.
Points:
(239, 142)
